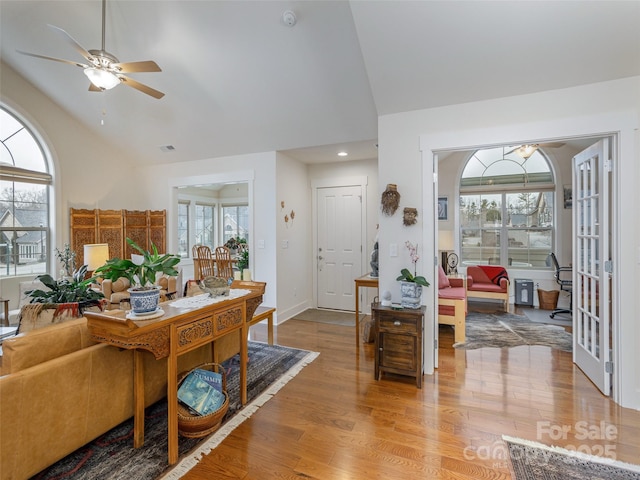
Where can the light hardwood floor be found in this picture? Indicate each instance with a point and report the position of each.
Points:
(334, 421)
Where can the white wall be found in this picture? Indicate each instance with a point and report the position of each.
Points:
(580, 111)
(294, 246)
(258, 170)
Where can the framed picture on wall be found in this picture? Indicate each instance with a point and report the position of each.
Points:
(443, 208)
(568, 196)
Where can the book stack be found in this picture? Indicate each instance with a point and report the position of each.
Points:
(201, 391)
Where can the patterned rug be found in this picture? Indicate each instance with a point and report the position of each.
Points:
(535, 461)
(112, 455)
(502, 330)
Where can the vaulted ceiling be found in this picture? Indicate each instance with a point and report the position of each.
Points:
(238, 80)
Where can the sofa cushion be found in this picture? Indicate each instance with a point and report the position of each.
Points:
(44, 344)
(443, 280)
(486, 287)
(454, 293)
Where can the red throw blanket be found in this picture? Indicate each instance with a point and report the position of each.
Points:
(495, 273)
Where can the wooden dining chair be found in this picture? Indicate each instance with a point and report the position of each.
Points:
(223, 262)
(205, 262)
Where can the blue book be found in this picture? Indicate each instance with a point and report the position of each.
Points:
(212, 378)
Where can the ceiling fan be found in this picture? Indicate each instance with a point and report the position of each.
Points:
(526, 150)
(103, 69)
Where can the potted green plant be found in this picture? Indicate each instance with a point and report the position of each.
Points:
(243, 261)
(410, 283)
(59, 300)
(75, 289)
(141, 271)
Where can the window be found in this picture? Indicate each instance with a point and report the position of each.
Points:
(507, 208)
(235, 222)
(24, 200)
(183, 229)
(204, 224)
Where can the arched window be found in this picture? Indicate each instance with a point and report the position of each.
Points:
(507, 208)
(24, 199)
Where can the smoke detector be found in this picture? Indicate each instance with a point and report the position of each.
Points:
(289, 18)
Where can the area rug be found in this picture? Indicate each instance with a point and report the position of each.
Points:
(542, 316)
(535, 461)
(333, 317)
(112, 455)
(502, 330)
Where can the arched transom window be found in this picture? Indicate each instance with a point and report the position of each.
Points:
(507, 208)
(24, 199)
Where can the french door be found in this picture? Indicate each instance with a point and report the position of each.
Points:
(591, 264)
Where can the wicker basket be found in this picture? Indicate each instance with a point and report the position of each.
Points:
(548, 299)
(195, 426)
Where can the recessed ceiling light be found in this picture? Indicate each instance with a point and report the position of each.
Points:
(342, 154)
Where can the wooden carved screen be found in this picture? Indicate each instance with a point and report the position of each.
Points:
(110, 231)
(83, 231)
(158, 229)
(135, 228)
(113, 227)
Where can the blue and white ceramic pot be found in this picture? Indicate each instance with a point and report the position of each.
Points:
(144, 300)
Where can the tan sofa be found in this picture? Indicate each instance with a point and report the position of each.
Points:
(59, 390)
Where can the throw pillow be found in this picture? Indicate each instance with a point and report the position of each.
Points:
(443, 280)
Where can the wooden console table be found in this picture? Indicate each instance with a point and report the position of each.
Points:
(364, 281)
(178, 331)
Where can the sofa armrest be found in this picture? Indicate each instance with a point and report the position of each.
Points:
(504, 284)
(456, 282)
(469, 281)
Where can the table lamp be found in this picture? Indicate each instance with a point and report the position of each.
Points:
(95, 255)
(445, 245)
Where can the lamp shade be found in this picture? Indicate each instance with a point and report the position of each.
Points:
(445, 240)
(96, 255)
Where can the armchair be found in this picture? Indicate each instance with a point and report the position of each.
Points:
(488, 281)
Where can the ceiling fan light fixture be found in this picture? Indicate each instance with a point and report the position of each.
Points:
(103, 79)
(525, 151)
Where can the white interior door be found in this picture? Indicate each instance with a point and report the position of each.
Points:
(339, 255)
(591, 264)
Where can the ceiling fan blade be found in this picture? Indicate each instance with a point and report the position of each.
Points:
(131, 67)
(79, 48)
(93, 88)
(552, 144)
(70, 62)
(139, 86)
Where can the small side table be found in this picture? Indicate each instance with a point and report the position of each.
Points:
(398, 341)
(364, 281)
(6, 311)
